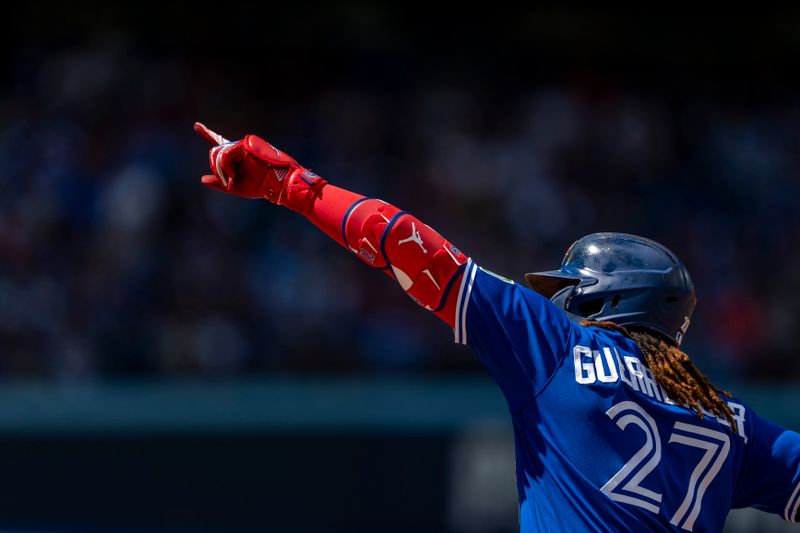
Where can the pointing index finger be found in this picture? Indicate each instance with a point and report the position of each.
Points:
(209, 135)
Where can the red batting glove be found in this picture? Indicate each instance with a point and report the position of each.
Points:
(253, 168)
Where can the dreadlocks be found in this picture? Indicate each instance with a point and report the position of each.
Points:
(673, 369)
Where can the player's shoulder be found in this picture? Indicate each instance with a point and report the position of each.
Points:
(489, 304)
(486, 272)
(493, 290)
(497, 287)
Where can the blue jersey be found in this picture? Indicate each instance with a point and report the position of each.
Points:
(599, 445)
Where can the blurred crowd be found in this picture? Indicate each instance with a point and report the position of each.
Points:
(116, 262)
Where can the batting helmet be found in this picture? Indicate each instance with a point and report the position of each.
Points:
(622, 278)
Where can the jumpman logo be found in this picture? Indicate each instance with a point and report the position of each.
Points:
(415, 237)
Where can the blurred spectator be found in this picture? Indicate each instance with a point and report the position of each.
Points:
(115, 262)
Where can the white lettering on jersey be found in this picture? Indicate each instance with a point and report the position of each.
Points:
(607, 365)
(606, 377)
(625, 374)
(584, 370)
(738, 416)
(635, 371)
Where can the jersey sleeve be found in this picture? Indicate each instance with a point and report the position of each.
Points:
(519, 335)
(770, 476)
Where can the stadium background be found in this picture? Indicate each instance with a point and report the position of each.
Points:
(177, 360)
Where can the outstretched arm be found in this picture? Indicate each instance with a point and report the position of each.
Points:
(424, 263)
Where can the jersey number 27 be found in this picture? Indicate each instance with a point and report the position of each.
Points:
(715, 444)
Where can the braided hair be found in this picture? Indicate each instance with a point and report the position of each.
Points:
(674, 371)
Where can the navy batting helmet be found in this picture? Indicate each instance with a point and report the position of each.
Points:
(622, 278)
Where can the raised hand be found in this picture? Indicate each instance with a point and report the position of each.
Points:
(253, 168)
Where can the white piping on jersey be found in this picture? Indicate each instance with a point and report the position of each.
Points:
(795, 508)
(463, 302)
(457, 325)
(790, 514)
(466, 304)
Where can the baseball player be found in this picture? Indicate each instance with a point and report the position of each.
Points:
(615, 429)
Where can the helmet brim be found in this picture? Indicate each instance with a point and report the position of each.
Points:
(549, 283)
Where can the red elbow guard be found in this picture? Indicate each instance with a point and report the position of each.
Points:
(423, 262)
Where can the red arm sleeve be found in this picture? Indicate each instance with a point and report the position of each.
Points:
(423, 262)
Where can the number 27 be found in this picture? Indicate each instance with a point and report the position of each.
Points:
(715, 443)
